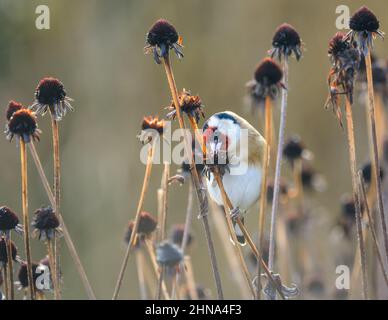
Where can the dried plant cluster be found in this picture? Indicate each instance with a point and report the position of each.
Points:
(279, 259)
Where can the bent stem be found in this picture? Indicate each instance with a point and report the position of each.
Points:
(131, 242)
(356, 198)
(57, 192)
(372, 226)
(10, 269)
(164, 187)
(228, 204)
(275, 200)
(375, 154)
(26, 220)
(69, 242)
(199, 188)
(263, 192)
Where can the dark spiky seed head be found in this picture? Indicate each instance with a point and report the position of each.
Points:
(22, 123)
(3, 251)
(50, 91)
(23, 277)
(367, 172)
(147, 223)
(283, 188)
(286, 36)
(45, 219)
(268, 72)
(186, 167)
(293, 148)
(338, 44)
(8, 219)
(168, 254)
(13, 106)
(162, 32)
(364, 20)
(154, 123)
(176, 236)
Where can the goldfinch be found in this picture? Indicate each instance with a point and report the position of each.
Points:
(244, 148)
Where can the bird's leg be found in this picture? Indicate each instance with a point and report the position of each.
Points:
(235, 214)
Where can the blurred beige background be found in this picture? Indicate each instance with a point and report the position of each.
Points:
(96, 48)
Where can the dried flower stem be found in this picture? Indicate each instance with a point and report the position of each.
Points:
(6, 280)
(26, 220)
(228, 204)
(356, 198)
(222, 230)
(275, 200)
(10, 269)
(151, 253)
(375, 154)
(190, 281)
(51, 256)
(189, 217)
(57, 193)
(162, 225)
(140, 274)
(263, 192)
(199, 188)
(372, 226)
(66, 234)
(131, 242)
(160, 282)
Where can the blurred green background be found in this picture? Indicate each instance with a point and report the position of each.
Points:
(96, 48)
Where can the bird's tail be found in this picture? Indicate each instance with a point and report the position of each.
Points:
(239, 234)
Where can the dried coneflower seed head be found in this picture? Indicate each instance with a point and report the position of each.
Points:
(50, 94)
(268, 72)
(8, 219)
(13, 106)
(348, 208)
(364, 27)
(337, 45)
(364, 20)
(153, 123)
(45, 222)
(147, 223)
(286, 41)
(176, 235)
(23, 277)
(3, 251)
(367, 173)
(161, 32)
(293, 148)
(189, 104)
(168, 254)
(23, 124)
(162, 37)
(50, 91)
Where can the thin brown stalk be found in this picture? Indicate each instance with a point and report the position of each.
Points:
(51, 256)
(263, 192)
(372, 226)
(151, 253)
(10, 269)
(221, 228)
(356, 198)
(69, 242)
(26, 220)
(6, 281)
(160, 282)
(228, 204)
(57, 193)
(375, 153)
(131, 242)
(199, 188)
(189, 217)
(162, 225)
(140, 274)
(190, 281)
